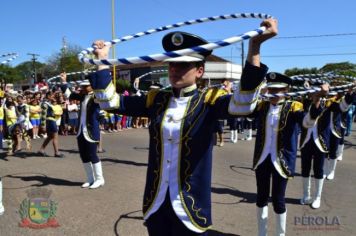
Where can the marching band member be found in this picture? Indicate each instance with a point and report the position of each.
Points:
(88, 132)
(276, 148)
(315, 146)
(334, 138)
(340, 149)
(177, 198)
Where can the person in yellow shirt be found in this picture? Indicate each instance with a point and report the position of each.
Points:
(11, 118)
(53, 114)
(10, 113)
(57, 111)
(35, 115)
(1, 122)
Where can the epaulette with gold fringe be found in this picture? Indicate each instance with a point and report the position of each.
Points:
(151, 97)
(296, 106)
(213, 94)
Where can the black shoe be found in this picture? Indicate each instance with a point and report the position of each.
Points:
(42, 154)
(60, 155)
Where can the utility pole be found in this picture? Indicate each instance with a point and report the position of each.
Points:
(34, 72)
(113, 37)
(231, 63)
(64, 52)
(64, 44)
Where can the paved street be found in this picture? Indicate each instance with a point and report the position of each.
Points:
(115, 209)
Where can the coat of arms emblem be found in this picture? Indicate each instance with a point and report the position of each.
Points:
(38, 211)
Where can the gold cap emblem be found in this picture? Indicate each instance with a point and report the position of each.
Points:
(177, 39)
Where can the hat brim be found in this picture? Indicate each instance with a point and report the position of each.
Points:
(277, 85)
(184, 59)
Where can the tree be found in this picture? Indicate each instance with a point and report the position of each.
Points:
(9, 74)
(65, 61)
(25, 69)
(301, 71)
(342, 68)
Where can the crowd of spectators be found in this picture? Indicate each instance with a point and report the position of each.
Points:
(23, 116)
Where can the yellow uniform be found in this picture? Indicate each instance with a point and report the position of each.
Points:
(35, 112)
(58, 111)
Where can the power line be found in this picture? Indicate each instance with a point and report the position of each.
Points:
(313, 55)
(302, 55)
(307, 36)
(316, 36)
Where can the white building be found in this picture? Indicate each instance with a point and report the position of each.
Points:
(222, 70)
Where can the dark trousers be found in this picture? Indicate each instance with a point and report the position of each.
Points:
(311, 152)
(334, 144)
(342, 136)
(219, 126)
(232, 123)
(247, 124)
(279, 185)
(165, 222)
(240, 125)
(87, 150)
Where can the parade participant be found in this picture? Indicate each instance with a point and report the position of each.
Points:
(50, 116)
(334, 138)
(2, 209)
(35, 115)
(233, 129)
(340, 149)
(177, 198)
(314, 147)
(276, 148)
(232, 122)
(350, 117)
(248, 126)
(88, 132)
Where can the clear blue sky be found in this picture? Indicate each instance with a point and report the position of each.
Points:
(37, 26)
